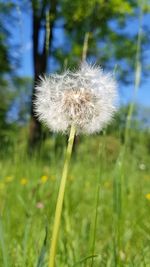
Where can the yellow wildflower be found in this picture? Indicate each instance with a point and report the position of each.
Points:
(9, 179)
(147, 196)
(44, 179)
(23, 181)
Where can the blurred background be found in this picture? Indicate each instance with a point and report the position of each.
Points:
(40, 37)
(105, 219)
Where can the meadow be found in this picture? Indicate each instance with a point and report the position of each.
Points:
(105, 220)
(106, 213)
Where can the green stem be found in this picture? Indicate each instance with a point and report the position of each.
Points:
(60, 198)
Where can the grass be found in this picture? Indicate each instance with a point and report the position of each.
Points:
(105, 219)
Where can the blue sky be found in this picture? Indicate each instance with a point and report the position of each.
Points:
(22, 32)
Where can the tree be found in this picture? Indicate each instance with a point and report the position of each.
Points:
(107, 42)
(43, 13)
(12, 87)
(110, 42)
(5, 67)
(5, 59)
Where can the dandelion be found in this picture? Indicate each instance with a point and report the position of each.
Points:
(85, 99)
(44, 179)
(23, 181)
(77, 102)
(147, 196)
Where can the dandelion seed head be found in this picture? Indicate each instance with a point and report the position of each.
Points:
(85, 98)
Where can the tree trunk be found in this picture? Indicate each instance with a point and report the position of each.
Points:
(40, 60)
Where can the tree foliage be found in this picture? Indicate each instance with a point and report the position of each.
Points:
(5, 66)
(111, 41)
(59, 30)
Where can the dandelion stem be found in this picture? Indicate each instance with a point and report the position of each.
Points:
(60, 198)
(85, 46)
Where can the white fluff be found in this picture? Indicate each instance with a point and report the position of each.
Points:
(85, 98)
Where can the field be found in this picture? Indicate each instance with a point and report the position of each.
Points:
(106, 213)
(105, 220)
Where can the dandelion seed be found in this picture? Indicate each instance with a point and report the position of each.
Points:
(44, 179)
(85, 98)
(23, 181)
(147, 196)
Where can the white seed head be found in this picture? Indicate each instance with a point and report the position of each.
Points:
(85, 98)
